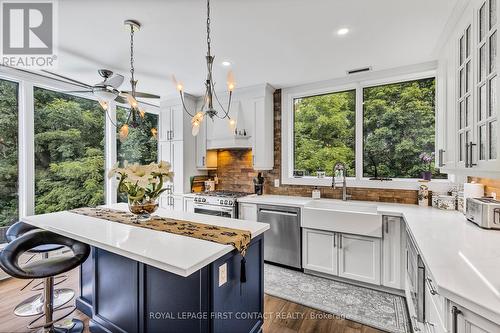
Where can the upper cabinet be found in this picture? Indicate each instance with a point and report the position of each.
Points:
(467, 90)
(252, 111)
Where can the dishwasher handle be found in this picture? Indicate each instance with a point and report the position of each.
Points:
(277, 212)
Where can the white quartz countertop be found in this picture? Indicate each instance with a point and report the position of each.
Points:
(464, 260)
(170, 252)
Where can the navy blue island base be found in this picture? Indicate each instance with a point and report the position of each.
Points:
(123, 295)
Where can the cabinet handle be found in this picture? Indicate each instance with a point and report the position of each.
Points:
(168, 135)
(471, 163)
(334, 239)
(441, 151)
(340, 241)
(203, 163)
(386, 226)
(455, 312)
(432, 290)
(430, 327)
(415, 324)
(466, 154)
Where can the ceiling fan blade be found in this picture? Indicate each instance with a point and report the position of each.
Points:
(115, 81)
(77, 92)
(121, 100)
(141, 94)
(69, 80)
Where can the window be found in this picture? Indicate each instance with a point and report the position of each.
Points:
(141, 146)
(8, 154)
(324, 133)
(69, 152)
(378, 128)
(398, 125)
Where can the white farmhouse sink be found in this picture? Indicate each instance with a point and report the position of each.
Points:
(350, 217)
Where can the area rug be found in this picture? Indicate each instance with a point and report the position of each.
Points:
(363, 305)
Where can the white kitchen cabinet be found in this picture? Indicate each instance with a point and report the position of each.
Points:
(435, 319)
(392, 258)
(465, 321)
(349, 256)
(319, 251)
(359, 258)
(247, 211)
(189, 204)
(467, 137)
(173, 152)
(252, 109)
(172, 202)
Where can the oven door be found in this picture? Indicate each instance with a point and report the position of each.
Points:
(215, 210)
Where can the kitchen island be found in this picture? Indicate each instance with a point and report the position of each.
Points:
(141, 280)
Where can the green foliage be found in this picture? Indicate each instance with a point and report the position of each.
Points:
(325, 132)
(140, 147)
(8, 152)
(69, 152)
(398, 125)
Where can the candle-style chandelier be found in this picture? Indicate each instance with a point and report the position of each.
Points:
(210, 97)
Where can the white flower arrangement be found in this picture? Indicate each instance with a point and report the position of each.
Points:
(142, 182)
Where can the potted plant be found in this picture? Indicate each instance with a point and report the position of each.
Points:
(427, 160)
(143, 185)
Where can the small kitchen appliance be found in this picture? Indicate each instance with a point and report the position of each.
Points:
(485, 212)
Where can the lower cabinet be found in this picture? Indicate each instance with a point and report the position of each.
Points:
(392, 249)
(247, 211)
(350, 256)
(359, 258)
(465, 321)
(172, 202)
(189, 204)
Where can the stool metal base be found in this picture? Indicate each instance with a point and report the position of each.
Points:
(34, 305)
(68, 326)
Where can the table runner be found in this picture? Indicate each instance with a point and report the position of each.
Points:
(238, 238)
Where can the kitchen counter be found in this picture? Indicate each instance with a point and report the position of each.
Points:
(173, 253)
(463, 258)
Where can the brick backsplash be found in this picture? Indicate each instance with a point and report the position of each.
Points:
(235, 172)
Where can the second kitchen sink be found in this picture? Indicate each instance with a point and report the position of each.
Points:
(358, 218)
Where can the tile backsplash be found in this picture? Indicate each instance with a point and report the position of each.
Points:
(491, 186)
(235, 173)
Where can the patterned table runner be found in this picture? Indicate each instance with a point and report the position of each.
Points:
(240, 239)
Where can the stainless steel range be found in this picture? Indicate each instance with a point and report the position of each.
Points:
(218, 203)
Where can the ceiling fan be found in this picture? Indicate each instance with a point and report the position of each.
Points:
(105, 90)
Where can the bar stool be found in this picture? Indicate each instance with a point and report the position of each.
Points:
(46, 269)
(34, 305)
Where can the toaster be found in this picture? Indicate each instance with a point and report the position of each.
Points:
(485, 212)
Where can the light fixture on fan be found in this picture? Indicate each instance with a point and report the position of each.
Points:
(207, 109)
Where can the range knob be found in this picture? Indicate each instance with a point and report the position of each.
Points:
(195, 199)
(221, 201)
(204, 200)
(225, 202)
(230, 203)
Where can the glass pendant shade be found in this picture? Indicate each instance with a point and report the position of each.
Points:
(123, 132)
(104, 94)
(132, 101)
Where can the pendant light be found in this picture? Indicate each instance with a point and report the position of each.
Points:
(210, 97)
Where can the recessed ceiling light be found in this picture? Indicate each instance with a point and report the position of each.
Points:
(226, 63)
(343, 31)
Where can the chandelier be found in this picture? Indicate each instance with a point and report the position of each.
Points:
(137, 114)
(210, 97)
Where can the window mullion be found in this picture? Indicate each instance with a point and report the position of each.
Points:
(359, 132)
(26, 149)
(110, 154)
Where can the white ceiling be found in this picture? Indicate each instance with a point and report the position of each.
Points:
(282, 42)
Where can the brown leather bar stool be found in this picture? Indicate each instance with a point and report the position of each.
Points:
(45, 269)
(34, 305)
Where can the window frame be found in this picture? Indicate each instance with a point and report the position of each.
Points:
(358, 83)
(27, 81)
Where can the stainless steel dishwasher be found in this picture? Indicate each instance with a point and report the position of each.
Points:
(282, 242)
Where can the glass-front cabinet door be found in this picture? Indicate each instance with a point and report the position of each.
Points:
(485, 152)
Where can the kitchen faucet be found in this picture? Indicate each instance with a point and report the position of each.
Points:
(340, 170)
